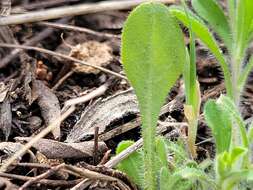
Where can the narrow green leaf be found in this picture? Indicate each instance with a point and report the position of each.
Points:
(231, 10)
(221, 124)
(244, 17)
(210, 11)
(132, 165)
(153, 54)
(200, 29)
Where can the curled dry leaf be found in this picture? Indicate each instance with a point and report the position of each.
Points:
(92, 52)
(7, 149)
(102, 113)
(3, 91)
(5, 118)
(5, 111)
(49, 105)
(42, 159)
(59, 150)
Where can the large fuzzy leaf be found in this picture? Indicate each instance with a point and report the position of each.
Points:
(214, 15)
(201, 30)
(220, 122)
(153, 55)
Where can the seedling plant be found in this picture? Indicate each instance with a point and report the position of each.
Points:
(154, 56)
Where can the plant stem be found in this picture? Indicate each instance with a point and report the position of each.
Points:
(148, 133)
(192, 133)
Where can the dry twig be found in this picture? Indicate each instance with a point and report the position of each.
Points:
(41, 176)
(72, 11)
(79, 29)
(43, 133)
(61, 56)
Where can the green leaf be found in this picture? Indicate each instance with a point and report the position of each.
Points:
(153, 54)
(244, 17)
(200, 29)
(237, 177)
(222, 164)
(195, 174)
(239, 137)
(236, 153)
(221, 124)
(161, 152)
(231, 10)
(165, 179)
(192, 91)
(210, 11)
(171, 182)
(132, 165)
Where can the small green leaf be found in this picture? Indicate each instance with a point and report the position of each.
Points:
(153, 54)
(200, 29)
(210, 11)
(236, 153)
(221, 124)
(132, 165)
(222, 165)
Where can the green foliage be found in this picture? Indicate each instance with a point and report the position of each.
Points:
(244, 17)
(132, 165)
(210, 11)
(153, 55)
(192, 91)
(220, 122)
(236, 31)
(202, 31)
(232, 156)
(182, 174)
(229, 170)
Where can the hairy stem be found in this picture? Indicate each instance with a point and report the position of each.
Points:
(148, 133)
